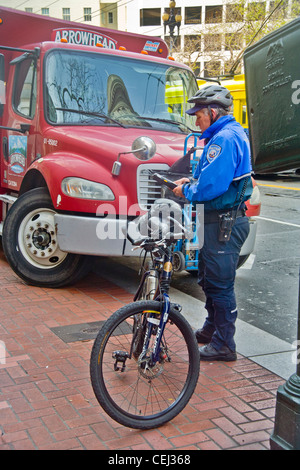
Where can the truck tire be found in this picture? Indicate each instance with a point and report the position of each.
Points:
(30, 245)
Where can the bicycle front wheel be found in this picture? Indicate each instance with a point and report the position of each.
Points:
(131, 390)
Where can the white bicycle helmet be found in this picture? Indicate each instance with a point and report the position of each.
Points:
(163, 220)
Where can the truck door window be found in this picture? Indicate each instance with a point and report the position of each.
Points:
(24, 95)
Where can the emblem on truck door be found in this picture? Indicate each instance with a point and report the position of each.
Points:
(17, 159)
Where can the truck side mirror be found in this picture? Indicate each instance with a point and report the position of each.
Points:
(143, 148)
(2, 84)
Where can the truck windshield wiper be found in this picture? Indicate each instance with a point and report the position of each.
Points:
(91, 113)
(168, 121)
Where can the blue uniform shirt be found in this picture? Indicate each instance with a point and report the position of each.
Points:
(223, 166)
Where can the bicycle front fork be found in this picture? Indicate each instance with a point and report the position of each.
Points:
(160, 323)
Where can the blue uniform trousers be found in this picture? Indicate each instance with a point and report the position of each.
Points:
(217, 269)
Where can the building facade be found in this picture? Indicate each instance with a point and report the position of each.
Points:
(210, 34)
(206, 35)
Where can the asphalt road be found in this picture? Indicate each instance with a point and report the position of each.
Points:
(268, 292)
(267, 285)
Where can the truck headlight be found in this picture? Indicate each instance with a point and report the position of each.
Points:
(85, 189)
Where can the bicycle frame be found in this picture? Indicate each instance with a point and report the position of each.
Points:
(162, 295)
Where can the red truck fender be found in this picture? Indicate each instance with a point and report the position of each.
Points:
(51, 170)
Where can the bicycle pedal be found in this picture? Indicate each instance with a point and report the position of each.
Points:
(120, 358)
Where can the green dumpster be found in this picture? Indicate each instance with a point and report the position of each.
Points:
(272, 74)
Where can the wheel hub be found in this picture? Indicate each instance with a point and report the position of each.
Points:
(40, 236)
(39, 239)
(147, 369)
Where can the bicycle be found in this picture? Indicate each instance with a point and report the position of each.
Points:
(145, 360)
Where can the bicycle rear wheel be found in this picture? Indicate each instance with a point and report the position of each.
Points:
(131, 391)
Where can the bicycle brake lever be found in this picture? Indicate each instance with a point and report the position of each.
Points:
(135, 248)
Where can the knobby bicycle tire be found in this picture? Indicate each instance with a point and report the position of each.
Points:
(138, 396)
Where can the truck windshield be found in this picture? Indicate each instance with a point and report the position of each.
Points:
(97, 89)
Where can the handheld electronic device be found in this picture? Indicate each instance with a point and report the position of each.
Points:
(162, 180)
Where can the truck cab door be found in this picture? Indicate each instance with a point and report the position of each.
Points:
(2, 85)
(18, 148)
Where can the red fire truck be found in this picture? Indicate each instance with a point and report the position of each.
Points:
(84, 116)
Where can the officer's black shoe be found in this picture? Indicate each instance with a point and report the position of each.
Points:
(202, 336)
(209, 353)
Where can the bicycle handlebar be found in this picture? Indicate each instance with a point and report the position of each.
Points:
(136, 242)
(168, 238)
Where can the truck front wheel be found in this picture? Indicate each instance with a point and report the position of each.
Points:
(30, 245)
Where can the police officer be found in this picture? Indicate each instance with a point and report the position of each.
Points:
(222, 182)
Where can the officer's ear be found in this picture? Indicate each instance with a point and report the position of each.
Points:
(214, 112)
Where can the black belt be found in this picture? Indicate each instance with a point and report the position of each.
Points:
(214, 216)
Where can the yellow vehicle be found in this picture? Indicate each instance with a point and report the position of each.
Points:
(236, 85)
(176, 97)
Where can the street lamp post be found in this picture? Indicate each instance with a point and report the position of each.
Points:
(172, 20)
(286, 435)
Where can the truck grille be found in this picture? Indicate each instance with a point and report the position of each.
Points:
(148, 189)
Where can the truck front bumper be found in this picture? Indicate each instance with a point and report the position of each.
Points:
(249, 243)
(105, 237)
(93, 236)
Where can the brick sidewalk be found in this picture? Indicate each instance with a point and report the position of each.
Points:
(46, 400)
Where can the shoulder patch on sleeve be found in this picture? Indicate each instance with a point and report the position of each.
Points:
(213, 152)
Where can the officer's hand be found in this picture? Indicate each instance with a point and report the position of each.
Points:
(182, 181)
(178, 190)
